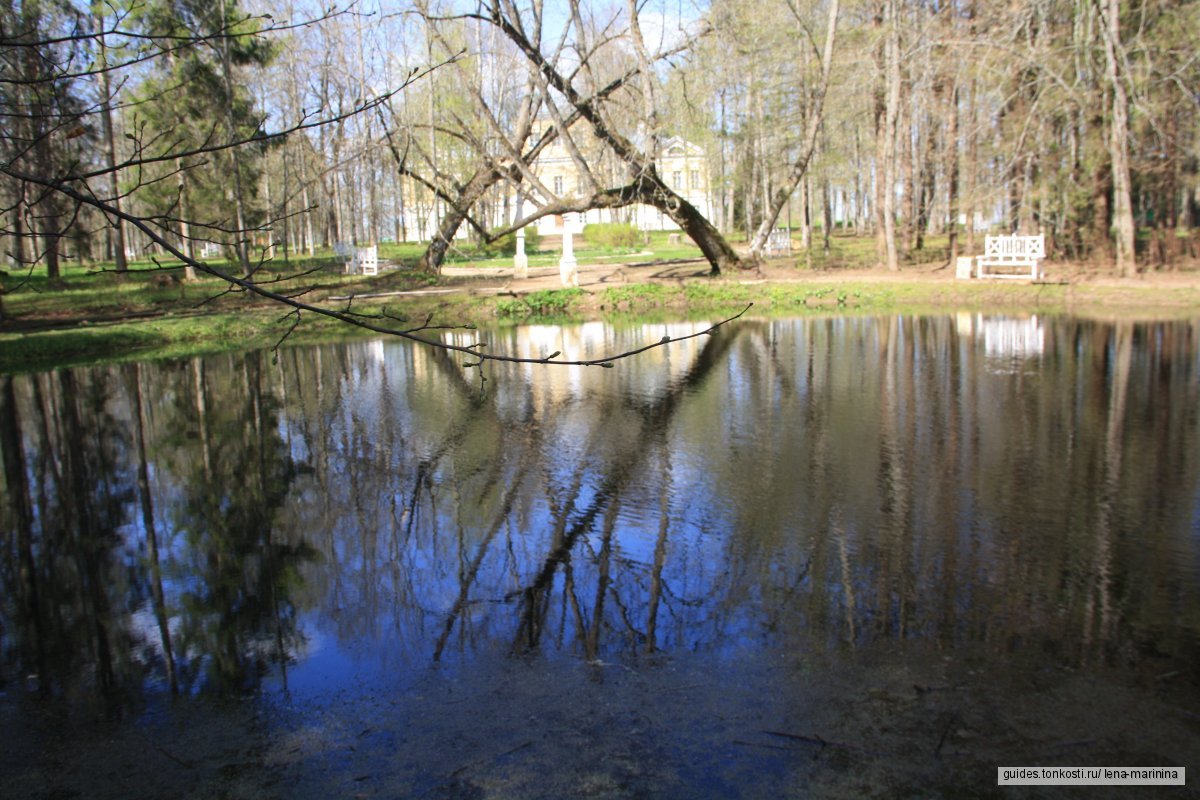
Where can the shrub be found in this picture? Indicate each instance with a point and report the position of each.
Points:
(615, 235)
(546, 303)
(507, 245)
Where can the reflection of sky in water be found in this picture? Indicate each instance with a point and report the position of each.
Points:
(798, 485)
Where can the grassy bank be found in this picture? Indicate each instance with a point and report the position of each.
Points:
(189, 330)
(100, 316)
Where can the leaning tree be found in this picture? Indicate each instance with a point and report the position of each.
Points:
(52, 58)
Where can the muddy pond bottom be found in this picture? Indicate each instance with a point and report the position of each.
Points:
(894, 724)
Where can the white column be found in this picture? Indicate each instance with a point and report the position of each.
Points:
(520, 260)
(568, 267)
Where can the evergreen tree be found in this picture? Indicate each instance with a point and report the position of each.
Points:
(195, 105)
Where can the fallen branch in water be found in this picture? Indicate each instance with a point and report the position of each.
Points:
(745, 743)
(822, 742)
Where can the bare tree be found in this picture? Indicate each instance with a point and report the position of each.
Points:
(815, 113)
(581, 98)
(1119, 143)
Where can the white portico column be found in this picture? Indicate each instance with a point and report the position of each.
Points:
(568, 267)
(520, 260)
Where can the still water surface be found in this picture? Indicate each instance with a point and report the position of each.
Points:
(862, 525)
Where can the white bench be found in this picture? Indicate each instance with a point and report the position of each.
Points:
(779, 243)
(1003, 254)
(344, 253)
(364, 262)
(367, 260)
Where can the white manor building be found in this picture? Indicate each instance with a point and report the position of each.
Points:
(682, 164)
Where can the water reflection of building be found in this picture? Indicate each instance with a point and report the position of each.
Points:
(650, 372)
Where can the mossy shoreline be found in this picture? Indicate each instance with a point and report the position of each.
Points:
(56, 335)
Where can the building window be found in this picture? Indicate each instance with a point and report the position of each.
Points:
(558, 184)
(676, 180)
(695, 179)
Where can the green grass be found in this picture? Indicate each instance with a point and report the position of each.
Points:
(99, 315)
(657, 249)
(548, 303)
(858, 252)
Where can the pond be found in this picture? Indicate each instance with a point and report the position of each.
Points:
(826, 557)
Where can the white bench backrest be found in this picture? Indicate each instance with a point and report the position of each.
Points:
(779, 240)
(367, 259)
(1015, 246)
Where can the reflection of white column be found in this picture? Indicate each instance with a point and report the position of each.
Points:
(520, 260)
(568, 267)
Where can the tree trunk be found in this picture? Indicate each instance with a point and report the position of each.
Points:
(186, 244)
(951, 147)
(908, 151)
(310, 241)
(117, 226)
(1168, 215)
(456, 213)
(712, 244)
(827, 221)
(1101, 200)
(721, 257)
(860, 198)
(972, 164)
(805, 216)
(890, 134)
(880, 116)
(19, 233)
(1123, 223)
(928, 185)
(241, 242)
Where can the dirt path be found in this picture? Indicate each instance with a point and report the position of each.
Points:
(593, 277)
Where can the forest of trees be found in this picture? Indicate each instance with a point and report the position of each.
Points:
(162, 126)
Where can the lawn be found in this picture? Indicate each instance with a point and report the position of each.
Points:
(98, 314)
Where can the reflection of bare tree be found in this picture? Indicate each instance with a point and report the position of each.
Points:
(660, 557)
(653, 418)
(848, 502)
(1101, 590)
(72, 579)
(777, 491)
(201, 393)
(90, 518)
(237, 606)
(133, 375)
(469, 574)
(16, 486)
